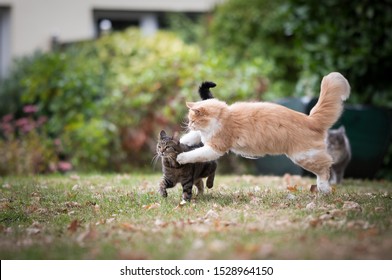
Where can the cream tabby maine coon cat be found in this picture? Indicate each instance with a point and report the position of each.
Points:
(254, 129)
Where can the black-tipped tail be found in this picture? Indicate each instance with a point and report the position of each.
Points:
(204, 90)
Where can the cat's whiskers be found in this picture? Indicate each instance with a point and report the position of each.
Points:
(155, 160)
(185, 125)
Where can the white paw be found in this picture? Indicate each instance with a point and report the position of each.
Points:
(185, 141)
(182, 158)
(191, 138)
(323, 187)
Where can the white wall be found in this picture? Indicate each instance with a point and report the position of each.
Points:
(5, 41)
(34, 22)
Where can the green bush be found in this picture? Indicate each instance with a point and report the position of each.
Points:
(106, 100)
(245, 30)
(152, 78)
(352, 37)
(307, 39)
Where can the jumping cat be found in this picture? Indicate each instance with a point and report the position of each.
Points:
(339, 148)
(254, 129)
(188, 174)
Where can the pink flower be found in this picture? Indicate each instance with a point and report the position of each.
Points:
(30, 109)
(41, 120)
(7, 128)
(57, 142)
(8, 118)
(27, 127)
(64, 166)
(22, 122)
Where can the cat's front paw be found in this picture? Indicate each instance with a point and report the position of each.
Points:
(182, 158)
(162, 192)
(191, 138)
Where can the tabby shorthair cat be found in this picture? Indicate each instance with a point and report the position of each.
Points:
(188, 174)
(339, 148)
(254, 129)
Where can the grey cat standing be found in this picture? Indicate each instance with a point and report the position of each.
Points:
(188, 174)
(339, 148)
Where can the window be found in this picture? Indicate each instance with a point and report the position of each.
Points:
(105, 20)
(5, 54)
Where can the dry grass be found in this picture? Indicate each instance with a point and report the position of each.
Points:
(242, 217)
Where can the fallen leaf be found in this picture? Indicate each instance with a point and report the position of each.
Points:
(35, 228)
(314, 222)
(337, 213)
(211, 214)
(368, 233)
(31, 209)
(74, 177)
(352, 206)
(74, 225)
(110, 220)
(290, 196)
(292, 188)
(160, 223)
(89, 234)
(311, 205)
(128, 226)
(358, 224)
(72, 204)
(181, 204)
(5, 205)
(151, 206)
(32, 231)
(313, 188)
(326, 216)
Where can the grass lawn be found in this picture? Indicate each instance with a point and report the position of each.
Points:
(241, 217)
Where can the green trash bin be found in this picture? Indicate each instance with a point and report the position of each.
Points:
(368, 128)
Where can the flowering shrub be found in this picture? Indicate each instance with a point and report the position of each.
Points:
(25, 148)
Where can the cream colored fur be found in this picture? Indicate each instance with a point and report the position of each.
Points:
(254, 129)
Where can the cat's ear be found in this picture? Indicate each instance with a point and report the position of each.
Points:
(342, 129)
(162, 134)
(192, 106)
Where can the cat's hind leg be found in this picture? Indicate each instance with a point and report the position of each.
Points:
(200, 187)
(333, 179)
(211, 177)
(187, 190)
(210, 180)
(339, 176)
(319, 163)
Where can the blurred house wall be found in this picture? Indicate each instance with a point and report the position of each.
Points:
(29, 25)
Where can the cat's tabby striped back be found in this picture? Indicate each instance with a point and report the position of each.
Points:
(188, 174)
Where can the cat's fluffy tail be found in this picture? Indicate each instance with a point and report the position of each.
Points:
(334, 90)
(204, 90)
